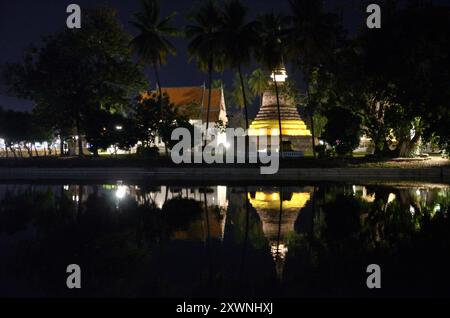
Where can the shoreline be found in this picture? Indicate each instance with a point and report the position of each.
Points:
(216, 174)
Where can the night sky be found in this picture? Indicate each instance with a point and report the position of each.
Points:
(23, 22)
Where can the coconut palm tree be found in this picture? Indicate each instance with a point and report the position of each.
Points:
(238, 95)
(152, 44)
(270, 28)
(258, 84)
(204, 43)
(238, 39)
(312, 37)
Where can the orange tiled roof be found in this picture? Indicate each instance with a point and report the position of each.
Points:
(193, 101)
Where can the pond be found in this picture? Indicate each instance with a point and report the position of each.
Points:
(147, 240)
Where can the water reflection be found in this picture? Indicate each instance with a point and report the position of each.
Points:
(278, 212)
(145, 240)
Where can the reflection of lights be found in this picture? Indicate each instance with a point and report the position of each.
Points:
(263, 200)
(418, 192)
(279, 251)
(391, 197)
(75, 198)
(437, 208)
(66, 187)
(121, 192)
(412, 210)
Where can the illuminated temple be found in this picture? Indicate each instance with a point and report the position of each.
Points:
(295, 133)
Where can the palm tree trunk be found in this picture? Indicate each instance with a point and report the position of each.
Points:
(158, 81)
(279, 116)
(80, 142)
(210, 69)
(311, 113)
(61, 146)
(36, 151)
(244, 95)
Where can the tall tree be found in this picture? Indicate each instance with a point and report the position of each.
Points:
(204, 43)
(312, 37)
(237, 95)
(258, 83)
(238, 38)
(72, 78)
(270, 28)
(152, 43)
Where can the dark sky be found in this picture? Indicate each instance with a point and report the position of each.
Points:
(23, 22)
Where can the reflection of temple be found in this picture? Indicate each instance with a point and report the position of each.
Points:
(276, 225)
(210, 225)
(294, 129)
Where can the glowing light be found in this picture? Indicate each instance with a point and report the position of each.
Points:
(279, 75)
(391, 197)
(121, 192)
(271, 128)
(119, 127)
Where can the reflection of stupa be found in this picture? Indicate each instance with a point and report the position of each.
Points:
(276, 227)
(294, 129)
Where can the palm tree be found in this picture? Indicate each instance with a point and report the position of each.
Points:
(237, 93)
(270, 52)
(312, 37)
(204, 43)
(238, 39)
(258, 84)
(152, 44)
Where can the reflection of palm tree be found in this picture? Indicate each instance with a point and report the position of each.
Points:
(208, 241)
(246, 235)
(151, 44)
(279, 258)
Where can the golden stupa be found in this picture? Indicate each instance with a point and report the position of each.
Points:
(294, 129)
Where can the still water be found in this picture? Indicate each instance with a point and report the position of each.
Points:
(138, 240)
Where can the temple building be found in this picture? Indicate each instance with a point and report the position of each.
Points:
(192, 102)
(295, 133)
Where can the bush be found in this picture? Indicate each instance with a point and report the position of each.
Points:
(148, 152)
(343, 130)
(321, 151)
